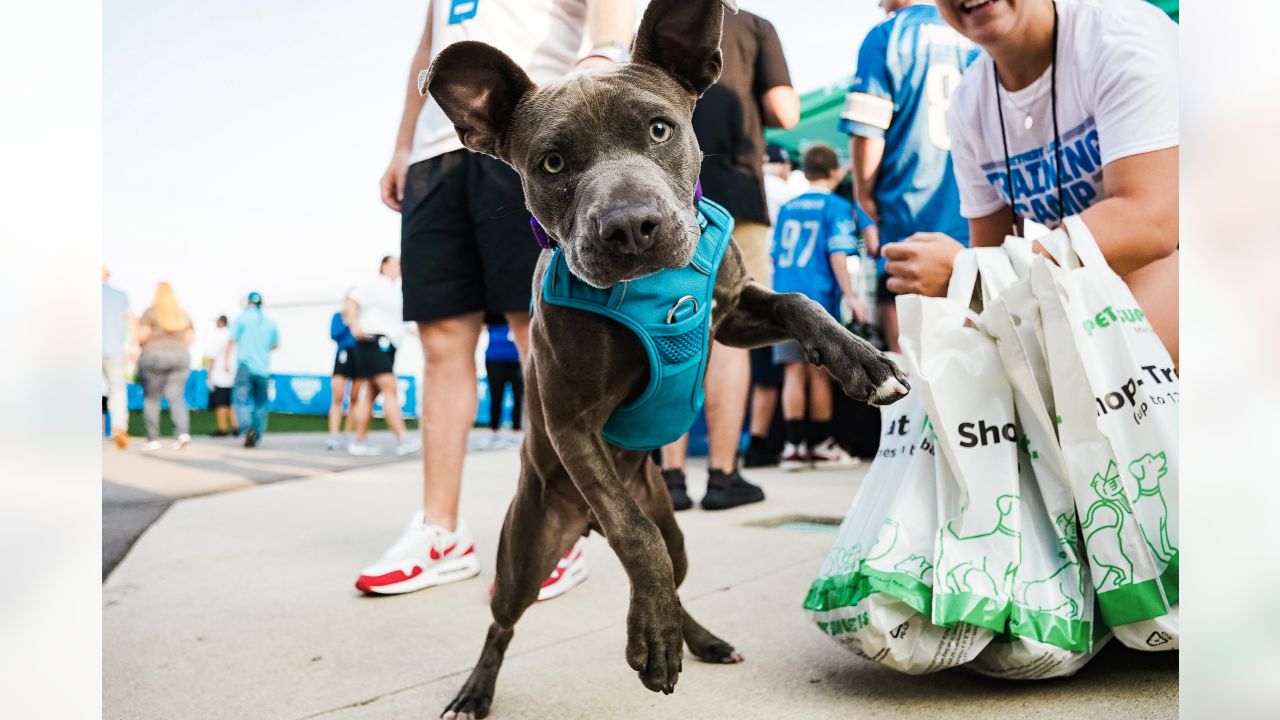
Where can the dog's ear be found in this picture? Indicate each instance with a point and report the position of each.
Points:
(478, 87)
(683, 38)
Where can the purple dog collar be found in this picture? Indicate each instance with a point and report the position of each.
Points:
(545, 242)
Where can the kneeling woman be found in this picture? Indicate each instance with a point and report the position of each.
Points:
(1072, 111)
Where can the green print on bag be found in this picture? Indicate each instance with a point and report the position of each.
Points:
(1123, 600)
(973, 590)
(1107, 317)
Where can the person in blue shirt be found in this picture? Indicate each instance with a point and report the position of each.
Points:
(253, 336)
(502, 370)
(344, 370)
(813, 238)
(896, 112)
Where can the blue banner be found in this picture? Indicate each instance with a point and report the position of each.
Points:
(297, 394)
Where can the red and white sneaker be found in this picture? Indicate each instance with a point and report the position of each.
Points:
(424, 556)
(794, 458)
(569, 573)
(828, 455)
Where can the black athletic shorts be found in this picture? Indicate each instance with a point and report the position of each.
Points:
(344, 363)
(763, 371)
(465, 242)
(375, 356)
(883, 293)
(220, 397)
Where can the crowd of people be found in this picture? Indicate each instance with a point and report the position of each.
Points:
(965, 120)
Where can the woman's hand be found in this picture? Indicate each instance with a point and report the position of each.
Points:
(921, 264)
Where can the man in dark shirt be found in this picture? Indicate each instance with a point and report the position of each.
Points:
(754, 91)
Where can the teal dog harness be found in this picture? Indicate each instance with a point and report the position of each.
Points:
(670, 312)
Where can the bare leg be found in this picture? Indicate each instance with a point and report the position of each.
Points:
(358, 387)
(793, 391)
(764, 398)
(673, 455)
(889, 325)
(338, 388)
(728, 381)
(386, 386)
(819, 393)
(363, 409)
(448, 410)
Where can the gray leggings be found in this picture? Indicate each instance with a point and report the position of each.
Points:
(164, 372)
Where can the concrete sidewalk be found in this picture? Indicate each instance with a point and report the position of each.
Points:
(241, 605)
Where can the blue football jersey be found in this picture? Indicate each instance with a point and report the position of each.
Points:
(907, 68)
(808, 230)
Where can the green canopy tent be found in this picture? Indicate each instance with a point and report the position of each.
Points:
(820, 112)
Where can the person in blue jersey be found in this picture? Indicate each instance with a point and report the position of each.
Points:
(344, 371)
(252, 338)
(896, 112)
(502, 370)
(813, 238)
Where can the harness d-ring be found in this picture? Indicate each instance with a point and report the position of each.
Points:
(671, 314)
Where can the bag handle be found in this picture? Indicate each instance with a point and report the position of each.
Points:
(964, 277)
(1018, 249)
(1080, 238)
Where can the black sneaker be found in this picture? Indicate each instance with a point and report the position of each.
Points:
(219, 433)
(680, 499)
(251, 438)
(756, 457)
(730, 490)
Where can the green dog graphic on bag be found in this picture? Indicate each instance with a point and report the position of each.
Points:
(1106, 517)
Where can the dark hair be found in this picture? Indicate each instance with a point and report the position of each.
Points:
(383, 265)
(819, 162)
(222, 320)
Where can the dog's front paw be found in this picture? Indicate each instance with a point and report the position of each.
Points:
(864, 373)
(471, 703)
(655, 642)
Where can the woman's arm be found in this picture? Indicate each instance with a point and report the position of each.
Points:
(1137, 222)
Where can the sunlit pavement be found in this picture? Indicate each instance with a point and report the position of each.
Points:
(241, 604)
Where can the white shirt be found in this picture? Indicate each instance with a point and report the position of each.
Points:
(381, 307)
(545, 37)
(221, 373)
(1117, 97)
(777, 191)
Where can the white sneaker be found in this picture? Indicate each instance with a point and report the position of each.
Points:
(360, 449)
(408, 445)
(828, 455)
(152, 445)
(794, 457)
(570, 571)
(335, 442)
(424, 556)
(182, 442)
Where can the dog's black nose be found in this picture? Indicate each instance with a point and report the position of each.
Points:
(630, 230)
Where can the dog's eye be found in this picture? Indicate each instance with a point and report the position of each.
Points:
(659, 131)
(552, 163)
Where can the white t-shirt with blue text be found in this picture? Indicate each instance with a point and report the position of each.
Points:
(1117, 97)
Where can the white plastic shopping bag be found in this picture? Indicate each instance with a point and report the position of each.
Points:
(958, 373)
(1052, 630)
(874, 592)
(1115, 395)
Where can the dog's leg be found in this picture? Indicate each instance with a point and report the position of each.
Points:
(538, 531)
(762, 317)
(657, 505)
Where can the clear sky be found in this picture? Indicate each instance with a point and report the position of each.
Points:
(243, 139)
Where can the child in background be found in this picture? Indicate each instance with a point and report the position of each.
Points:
(813, 238)
(502, 365)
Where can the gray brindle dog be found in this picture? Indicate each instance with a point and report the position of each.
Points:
(609, 161)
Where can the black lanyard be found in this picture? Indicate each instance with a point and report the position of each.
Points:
(1057, 139)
